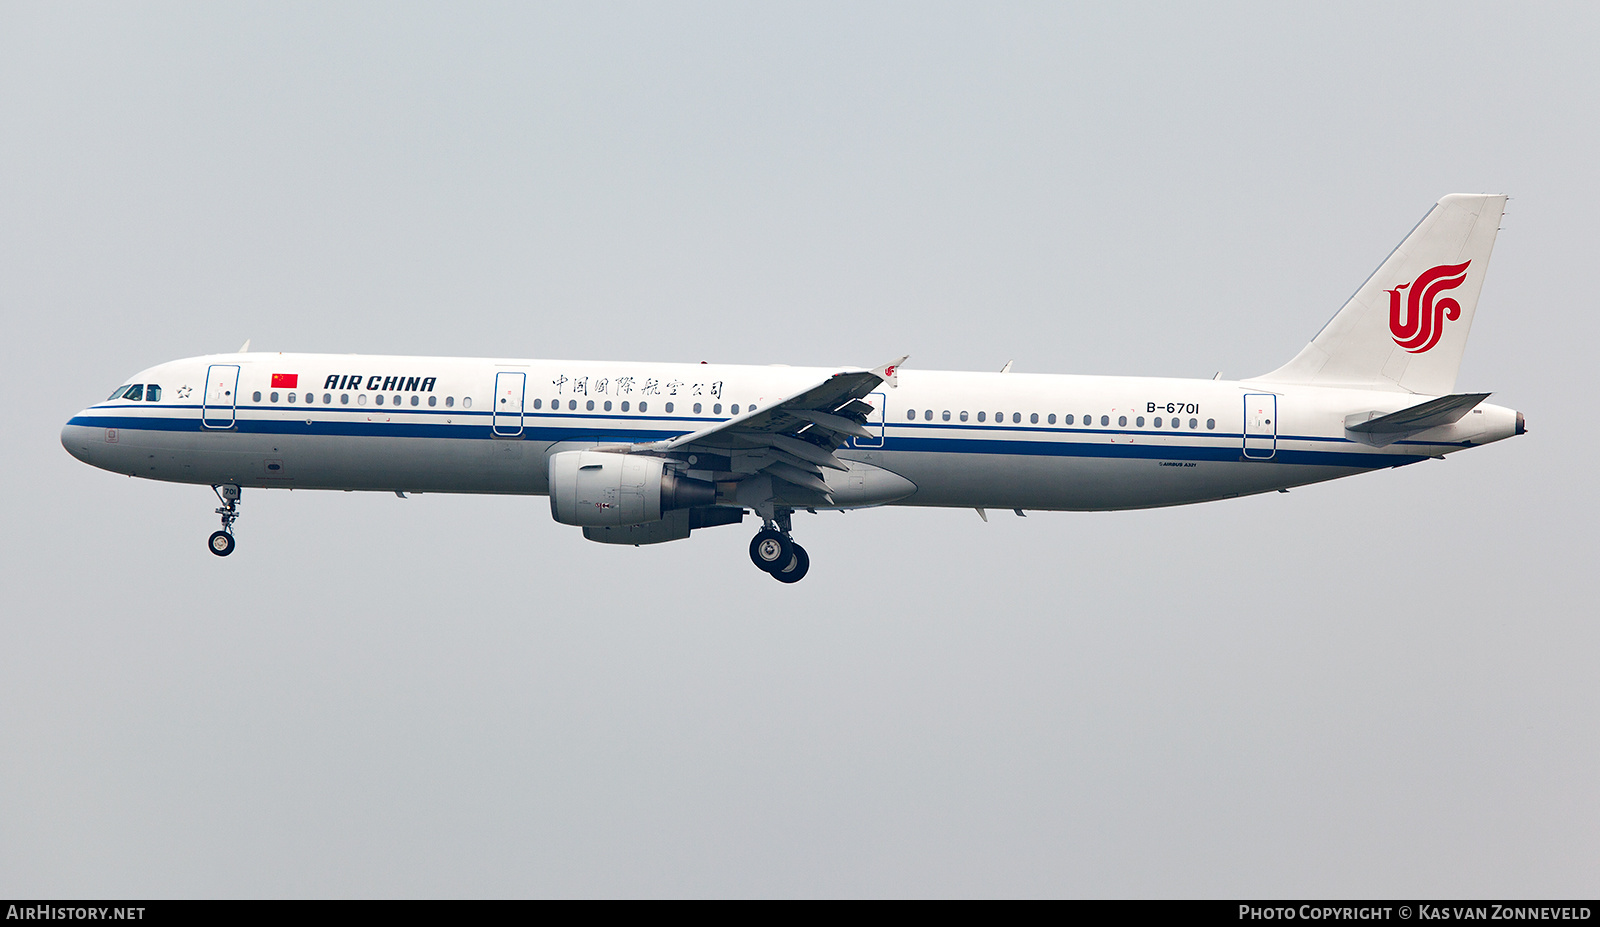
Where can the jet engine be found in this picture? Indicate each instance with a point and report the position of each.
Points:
(598, 488)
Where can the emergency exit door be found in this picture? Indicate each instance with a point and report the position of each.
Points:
(874, 422)
(509, 388)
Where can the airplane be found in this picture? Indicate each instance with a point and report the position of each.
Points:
(643, 453)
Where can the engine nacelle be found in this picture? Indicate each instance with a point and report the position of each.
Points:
(597, 488)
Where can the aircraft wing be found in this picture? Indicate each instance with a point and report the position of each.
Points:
(792, 440)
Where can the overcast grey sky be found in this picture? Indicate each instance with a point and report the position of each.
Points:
(1382, 686)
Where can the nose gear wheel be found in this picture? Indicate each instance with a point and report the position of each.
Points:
(221, 542)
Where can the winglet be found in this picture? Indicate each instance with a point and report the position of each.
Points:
(244, 348)
(888, 372)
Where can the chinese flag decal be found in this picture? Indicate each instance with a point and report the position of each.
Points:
(285, 380)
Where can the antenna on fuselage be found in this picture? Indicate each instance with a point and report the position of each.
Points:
(1006, 368)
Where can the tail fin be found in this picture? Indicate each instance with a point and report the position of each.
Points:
(1406, 328)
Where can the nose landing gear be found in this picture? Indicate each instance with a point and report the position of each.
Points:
(774, 552)
(221, 542)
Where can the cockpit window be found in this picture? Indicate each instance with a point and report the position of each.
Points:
(135, 392)
(152, 393)
(117, 393)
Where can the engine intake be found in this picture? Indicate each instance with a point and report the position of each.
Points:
(597, 488)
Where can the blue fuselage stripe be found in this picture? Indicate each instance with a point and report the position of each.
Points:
(544, 426)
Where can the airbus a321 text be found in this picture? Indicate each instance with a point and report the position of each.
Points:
(640, 453)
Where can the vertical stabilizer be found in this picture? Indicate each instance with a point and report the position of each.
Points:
(1406, 328)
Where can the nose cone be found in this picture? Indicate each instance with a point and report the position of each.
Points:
(82, 442)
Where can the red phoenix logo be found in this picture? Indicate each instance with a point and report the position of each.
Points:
(1418, 324)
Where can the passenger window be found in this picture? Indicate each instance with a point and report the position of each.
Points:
(1016, 418)
(135, 392)
(377, 399)
(538, 403)
(466, 402)
(752, 407)
(697, 408)
(669, 407)
(434, 400)
(361, 399)
(572, 405)
(1139, 421)
(255, 396)
(963, 416)
(589, 406)
(416, 400)
(273, 396)
(449, 402)
(735, 408)
(397, 400)
(1193, 423)
(982, 416)
(643, 406)
(1033, 419)
(1105, 420)
(1122, 421)
(152, 393)
(327, 399)
(1066, 419)
(624, 405)
(1211, 424)
(344, 399)
(608, 405)
(291, 397)
(927, 415)
(945, 415)
(1052, 418)
(911, 415)
(716, 409)
(1158, 421)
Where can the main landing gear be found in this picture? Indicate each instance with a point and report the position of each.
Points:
(773, 551)
(221, 542)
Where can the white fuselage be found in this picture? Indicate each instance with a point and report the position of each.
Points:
(1024, 441)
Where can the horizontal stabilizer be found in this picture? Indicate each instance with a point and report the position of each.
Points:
(1381, 429)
